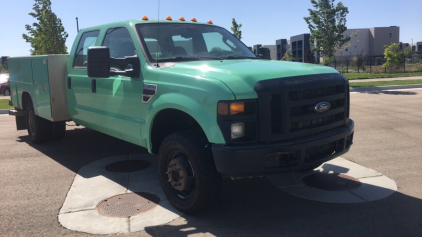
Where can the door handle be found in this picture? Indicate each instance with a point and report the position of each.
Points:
(69, 83)
(94, 86)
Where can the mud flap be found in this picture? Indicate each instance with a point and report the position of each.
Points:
(20, 118)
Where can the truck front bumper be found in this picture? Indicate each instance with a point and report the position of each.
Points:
(293, 155)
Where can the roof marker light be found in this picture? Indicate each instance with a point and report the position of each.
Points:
(181, 18)
(209, 22)
(193, 20)
(144, 18)
(168, 18)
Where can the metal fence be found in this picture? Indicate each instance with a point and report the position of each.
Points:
(374, 65)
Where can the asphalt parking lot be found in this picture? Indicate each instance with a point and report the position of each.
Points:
(35, 179)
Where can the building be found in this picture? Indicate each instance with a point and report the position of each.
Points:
(3, 59)
(419, 47)
(299, 44)
(282, 47)
(359, 43)
(370, 42)
(403, 46)
(273, 51)
(267, 51)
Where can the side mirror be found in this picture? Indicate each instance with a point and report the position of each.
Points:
(98, 61)
(99, 64)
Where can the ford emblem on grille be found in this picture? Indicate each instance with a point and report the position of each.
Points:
(322, 107)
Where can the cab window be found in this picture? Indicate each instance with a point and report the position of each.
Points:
(88, 39)
(120, 44)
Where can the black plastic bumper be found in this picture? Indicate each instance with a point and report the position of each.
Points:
(288, 156)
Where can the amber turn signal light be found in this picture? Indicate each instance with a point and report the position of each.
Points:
(209, 22)
(181, 18)
(237, 108)
(193, 20)
(223, 109)
(168, 18)
(144, 18)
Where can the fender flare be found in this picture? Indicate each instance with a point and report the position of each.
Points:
(191, 107)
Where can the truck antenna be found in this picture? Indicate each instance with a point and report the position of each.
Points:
(77, 24)
(158, 37)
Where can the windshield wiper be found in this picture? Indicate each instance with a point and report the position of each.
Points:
(181, 58)
(239, 57)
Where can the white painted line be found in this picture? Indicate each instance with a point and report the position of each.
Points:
(385, 88)
(374, 91)
(93, 184)
(374, 185)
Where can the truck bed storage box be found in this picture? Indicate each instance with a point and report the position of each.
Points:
(43, 77)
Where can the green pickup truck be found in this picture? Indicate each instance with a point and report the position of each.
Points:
(194, 95)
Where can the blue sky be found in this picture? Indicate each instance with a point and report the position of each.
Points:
(263, 21)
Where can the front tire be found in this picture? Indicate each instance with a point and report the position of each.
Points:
(187, 172)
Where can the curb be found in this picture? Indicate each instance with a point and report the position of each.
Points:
(4, 111)
(384, 88)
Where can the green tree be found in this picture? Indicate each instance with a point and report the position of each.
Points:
(4, 68)
(327, 24)
(408, 52)
(47, 35)
(288, 56)
(236, 29)
(393, 54)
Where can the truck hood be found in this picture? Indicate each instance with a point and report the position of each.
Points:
(242, 75)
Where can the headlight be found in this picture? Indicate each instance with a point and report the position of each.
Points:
(237, 130)
(238, 121)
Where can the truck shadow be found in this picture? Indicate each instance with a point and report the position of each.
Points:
(81, 146)
(253, 207)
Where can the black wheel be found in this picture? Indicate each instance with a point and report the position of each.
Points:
(39, 129)
(7, 92)
(58, 130)
(187, 172)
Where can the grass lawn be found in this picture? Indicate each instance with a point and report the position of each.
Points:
(384, 83)
(4, 104)
(356, 76)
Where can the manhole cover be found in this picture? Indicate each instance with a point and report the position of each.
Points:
(331, 182)
(127, 205)
(128, 166)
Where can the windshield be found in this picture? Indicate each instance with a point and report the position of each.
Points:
(187, 42)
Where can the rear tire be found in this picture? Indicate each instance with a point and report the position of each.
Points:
(58, 130)
(39, 129)
(187, 172)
